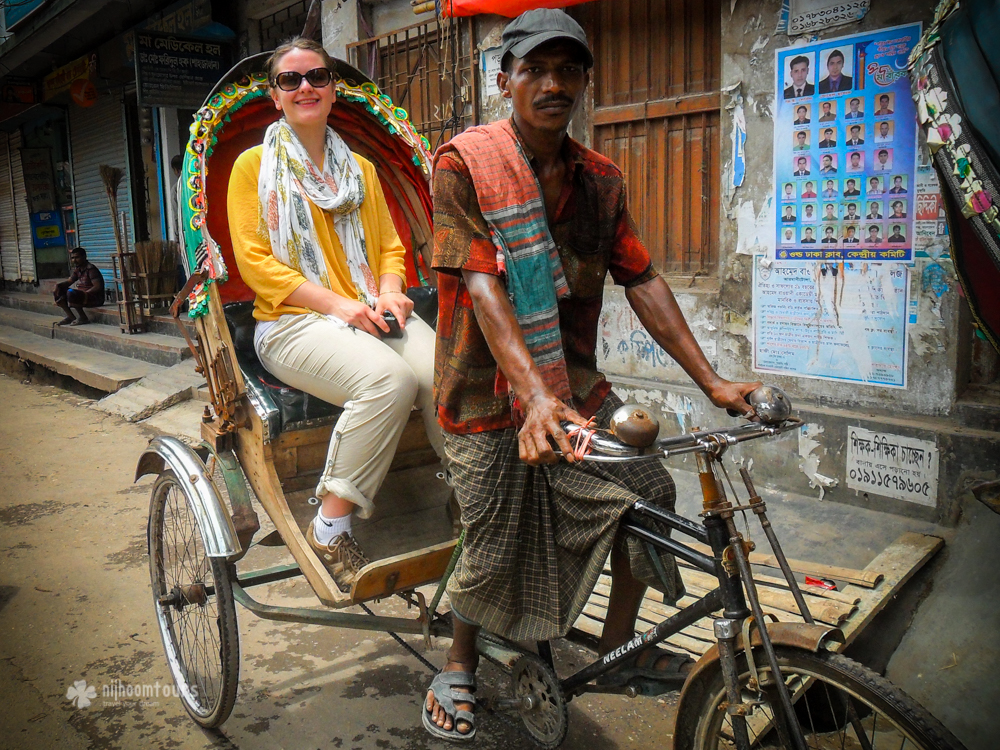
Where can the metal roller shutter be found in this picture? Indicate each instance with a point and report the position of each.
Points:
(97, 135)
(25, 247)
(9, 258)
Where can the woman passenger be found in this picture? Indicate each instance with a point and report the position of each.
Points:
(313, 238)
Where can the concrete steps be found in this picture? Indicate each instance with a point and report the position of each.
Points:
(101, 370)
(108, 315)
(145, 373)
(157, 348)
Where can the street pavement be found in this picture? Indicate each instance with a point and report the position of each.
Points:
(76, 620)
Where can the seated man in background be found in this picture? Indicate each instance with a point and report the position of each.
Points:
(84, 288)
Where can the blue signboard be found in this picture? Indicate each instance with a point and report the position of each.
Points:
(46, 229)
(16, 13)
(845, 145)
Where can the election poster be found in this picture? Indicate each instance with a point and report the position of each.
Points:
(845, 149)
(833, 320)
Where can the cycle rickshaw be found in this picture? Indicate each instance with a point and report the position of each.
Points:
(264, 440)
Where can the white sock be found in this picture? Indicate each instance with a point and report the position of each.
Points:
(325, 529)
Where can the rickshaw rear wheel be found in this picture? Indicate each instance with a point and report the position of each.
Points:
(194, 605)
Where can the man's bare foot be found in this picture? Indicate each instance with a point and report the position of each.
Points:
(67, 321)
(438, 715)
(80, 322)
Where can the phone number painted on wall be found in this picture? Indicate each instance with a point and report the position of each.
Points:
(892, 466)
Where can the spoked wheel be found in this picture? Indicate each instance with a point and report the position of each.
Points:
(194, 606)
(839, 704)
(542, 704)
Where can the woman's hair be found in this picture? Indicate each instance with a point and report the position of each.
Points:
(299, 42)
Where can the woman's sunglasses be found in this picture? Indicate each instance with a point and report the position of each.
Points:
(290, 80)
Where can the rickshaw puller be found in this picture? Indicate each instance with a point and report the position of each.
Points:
(527, 225)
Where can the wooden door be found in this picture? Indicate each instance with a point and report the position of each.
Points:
(656, 113)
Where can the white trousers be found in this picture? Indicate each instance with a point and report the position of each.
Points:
(377, 382)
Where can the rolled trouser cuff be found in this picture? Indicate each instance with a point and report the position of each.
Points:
(345, 490)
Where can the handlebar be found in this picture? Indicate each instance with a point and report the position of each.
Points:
(608, 449)
(771, 407)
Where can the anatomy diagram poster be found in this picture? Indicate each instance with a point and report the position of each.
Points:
(834, 320)
(845, 145)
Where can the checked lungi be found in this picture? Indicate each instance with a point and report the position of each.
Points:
(537, 537)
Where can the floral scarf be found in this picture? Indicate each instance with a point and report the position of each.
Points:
(287, 178)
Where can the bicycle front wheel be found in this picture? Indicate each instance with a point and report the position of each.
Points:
(195, 610)
(838, 704)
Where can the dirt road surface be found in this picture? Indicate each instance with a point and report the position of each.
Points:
(75, 607)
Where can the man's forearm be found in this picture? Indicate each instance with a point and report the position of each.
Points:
(659, 313)
(503, 334)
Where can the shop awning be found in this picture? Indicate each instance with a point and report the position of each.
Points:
(509, 8)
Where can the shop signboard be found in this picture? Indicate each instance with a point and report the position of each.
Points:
(14, 14)
(46, 229)
(62, 79)
(176, 71)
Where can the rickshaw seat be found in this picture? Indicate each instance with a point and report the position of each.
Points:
(281, 407)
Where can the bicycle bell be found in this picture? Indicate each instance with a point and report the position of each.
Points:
(634, 426)
(770, 404)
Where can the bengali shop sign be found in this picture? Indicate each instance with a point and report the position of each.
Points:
(175, 71)
(892, 465)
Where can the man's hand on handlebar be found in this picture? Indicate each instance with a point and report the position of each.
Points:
(732, 396)
(542, 415)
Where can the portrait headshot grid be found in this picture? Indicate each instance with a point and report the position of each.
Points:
(842, 187)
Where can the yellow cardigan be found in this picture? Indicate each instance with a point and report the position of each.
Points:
(271, 279)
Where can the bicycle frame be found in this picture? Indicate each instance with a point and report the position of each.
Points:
(729, 564)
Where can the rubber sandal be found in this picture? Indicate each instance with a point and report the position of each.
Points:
(446, 697)
(672, 673)
(66, 322)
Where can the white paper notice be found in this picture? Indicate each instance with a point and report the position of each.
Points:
(491, 66)
(892, 465)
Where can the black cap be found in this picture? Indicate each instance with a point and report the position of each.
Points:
(536, 27)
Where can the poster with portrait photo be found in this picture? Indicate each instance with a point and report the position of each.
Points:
(883, 131)
(883, 160)
(801, 165)
(850, 75)
(874, 210)
(897, 233)
(852, 188)
(885, 104)
(851, 212)
(809, 214)
(788, 193)
(809, 190)
(898, 185)
(799, 76)
(898, 209)
(827, 111)
(829, 234)
(837, 70)
(788, 236)
(828, 164)
(873, 234)
(831, 212)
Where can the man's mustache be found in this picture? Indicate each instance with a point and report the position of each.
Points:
(546, 101)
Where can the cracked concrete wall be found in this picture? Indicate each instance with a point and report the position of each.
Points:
(748, 47)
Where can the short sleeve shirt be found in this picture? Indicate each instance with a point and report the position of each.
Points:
(595, 236)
